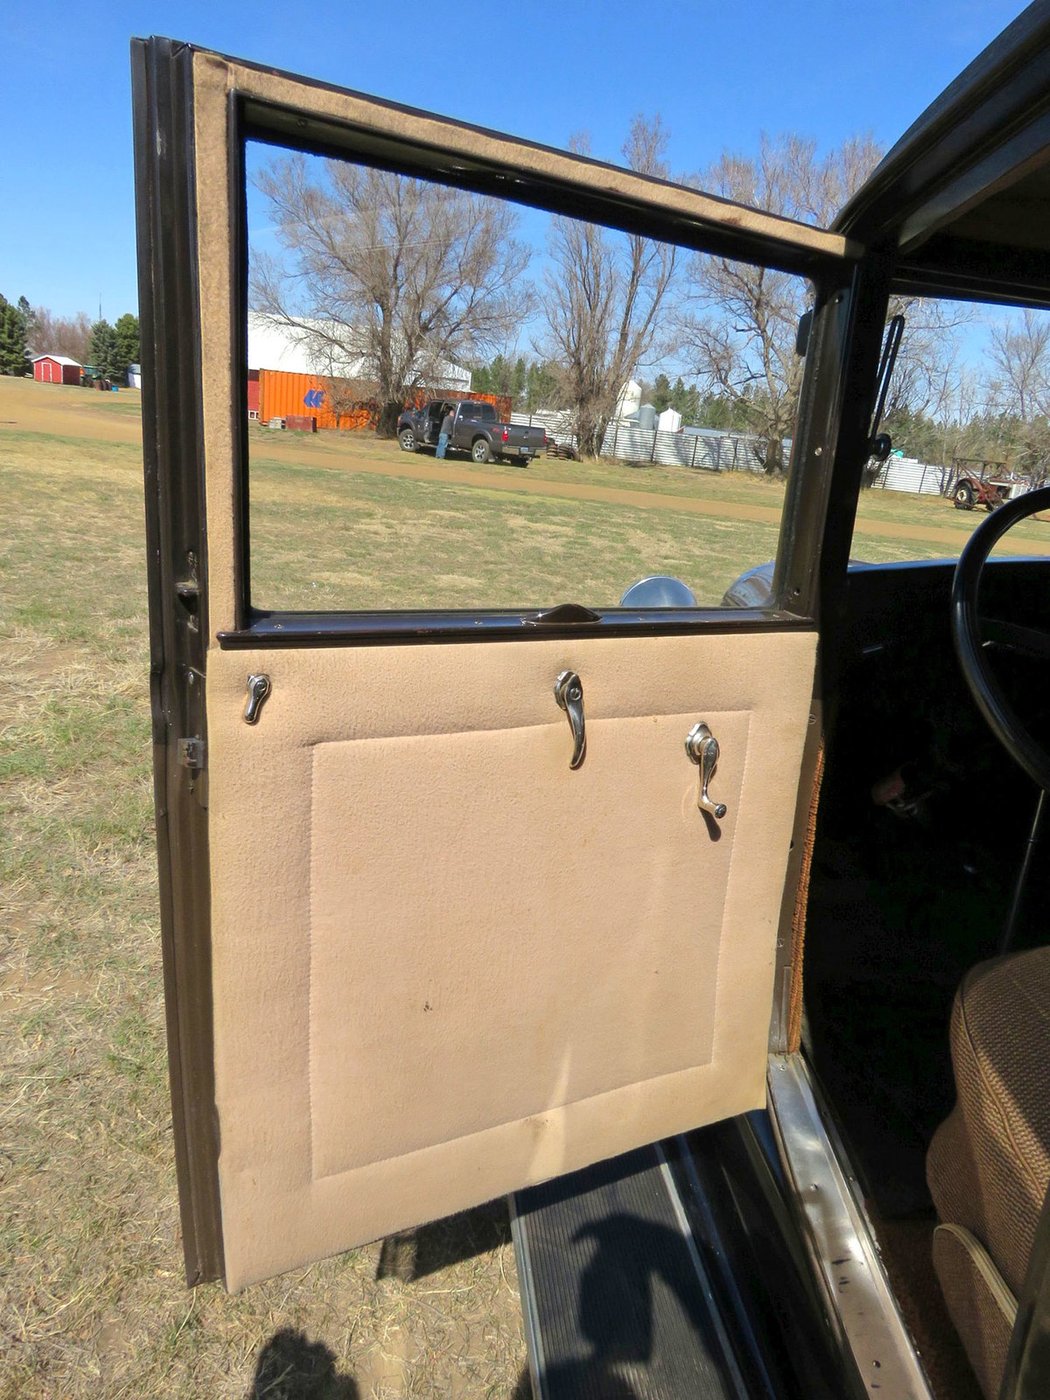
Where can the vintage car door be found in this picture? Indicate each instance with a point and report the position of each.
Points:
(415, 957)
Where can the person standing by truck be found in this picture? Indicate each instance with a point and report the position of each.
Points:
(445, 433)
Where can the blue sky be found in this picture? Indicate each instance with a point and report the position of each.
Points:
(719, 73)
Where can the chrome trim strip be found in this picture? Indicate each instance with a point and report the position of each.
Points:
(839, 1238)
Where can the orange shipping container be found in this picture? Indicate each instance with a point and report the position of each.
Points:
(286, 395)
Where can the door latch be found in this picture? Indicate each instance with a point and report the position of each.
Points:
(702, 748)
(191, 753)
(568, 691)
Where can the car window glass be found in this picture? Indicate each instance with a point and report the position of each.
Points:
(968, 420)
(626, 407)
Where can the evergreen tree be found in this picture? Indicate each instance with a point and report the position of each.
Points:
(103, 349)
(686, 401)
(13, 357)
(127, 334)
(530, 384)
(501, 376)
(542, 385)
(29, 320)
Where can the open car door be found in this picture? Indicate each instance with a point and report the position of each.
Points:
(438, 922)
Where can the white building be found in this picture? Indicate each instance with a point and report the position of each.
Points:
(277, 347)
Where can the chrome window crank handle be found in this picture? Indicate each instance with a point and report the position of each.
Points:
(702, 748)
(568, 692)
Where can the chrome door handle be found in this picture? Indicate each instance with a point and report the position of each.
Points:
(568, 691)
(702, 748)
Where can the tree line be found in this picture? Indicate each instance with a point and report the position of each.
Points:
(388, 281)
(26, 330)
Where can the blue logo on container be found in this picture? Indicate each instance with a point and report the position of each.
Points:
(313, 398)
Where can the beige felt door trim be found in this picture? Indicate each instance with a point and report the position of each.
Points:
(445, 965)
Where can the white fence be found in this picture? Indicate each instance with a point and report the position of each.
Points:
(557, 425)
(704, 449)
(707, 449)
(920, 478)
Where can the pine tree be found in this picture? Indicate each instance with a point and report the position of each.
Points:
(103, 351)
(128, 353)
(542, 386)
(13, 357)
(29, 320)
(661, 398)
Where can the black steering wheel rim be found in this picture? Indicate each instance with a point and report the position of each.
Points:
(989, 696)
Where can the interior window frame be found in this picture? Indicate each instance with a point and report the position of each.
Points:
(793, 605)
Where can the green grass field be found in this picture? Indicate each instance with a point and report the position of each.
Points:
(92, 1299)
(345, 522)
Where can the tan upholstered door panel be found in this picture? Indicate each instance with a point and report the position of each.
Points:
(446, 965)
(503, 995)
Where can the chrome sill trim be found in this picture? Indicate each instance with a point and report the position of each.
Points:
(839, 1239)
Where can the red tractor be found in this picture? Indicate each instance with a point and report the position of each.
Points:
(975, 489)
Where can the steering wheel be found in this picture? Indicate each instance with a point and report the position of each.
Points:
(970, 635)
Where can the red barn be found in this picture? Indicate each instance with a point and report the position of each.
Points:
(56, 369)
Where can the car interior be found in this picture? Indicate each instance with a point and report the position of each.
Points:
(435, 413)
(922, 830)
(927, 973)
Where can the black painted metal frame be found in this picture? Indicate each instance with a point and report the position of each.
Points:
(988, 131)
(162, 86)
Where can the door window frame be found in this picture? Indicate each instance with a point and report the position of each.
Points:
(242, 102)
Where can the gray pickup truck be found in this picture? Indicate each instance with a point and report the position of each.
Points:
(476, 429)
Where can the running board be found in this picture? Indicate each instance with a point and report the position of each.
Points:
(615, 1295)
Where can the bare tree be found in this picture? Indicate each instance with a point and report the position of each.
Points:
(1019, 387)
(602, 299)
(1019, 383)
(387, 281)
(61, 335)
(739, 323)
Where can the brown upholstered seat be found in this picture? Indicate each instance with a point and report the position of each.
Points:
(989, 1162)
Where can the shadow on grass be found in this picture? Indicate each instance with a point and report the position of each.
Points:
(416, 1253)
(291, 1367)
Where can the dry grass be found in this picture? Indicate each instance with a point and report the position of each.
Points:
(341, 521)
(92, 1300)
(350, 539)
